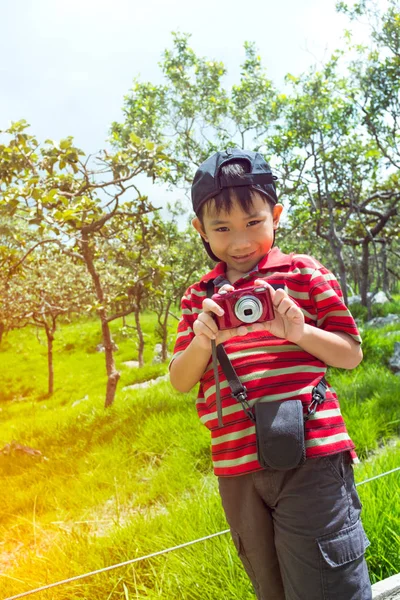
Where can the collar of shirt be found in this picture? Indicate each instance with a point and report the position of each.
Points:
(273, 260)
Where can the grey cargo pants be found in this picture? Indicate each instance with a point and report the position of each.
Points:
(298, 532)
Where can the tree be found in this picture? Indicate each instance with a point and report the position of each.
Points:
(332, 169)
(50, 287)
(375, 75)
(375, 91)
(15, 238)
(130, 272)
(179, 256)
(329, 164)
(192, 114)
(73, 204)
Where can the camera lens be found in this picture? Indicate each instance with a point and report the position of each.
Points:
(248, 309)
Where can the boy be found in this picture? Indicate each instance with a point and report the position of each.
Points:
(298, 531)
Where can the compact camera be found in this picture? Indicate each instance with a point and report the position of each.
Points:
(248, 305)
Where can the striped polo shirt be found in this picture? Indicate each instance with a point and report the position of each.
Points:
(271, 368)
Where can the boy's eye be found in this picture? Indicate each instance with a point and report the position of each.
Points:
(222, 229)
(251, 223)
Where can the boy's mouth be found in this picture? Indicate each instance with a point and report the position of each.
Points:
(243, 257)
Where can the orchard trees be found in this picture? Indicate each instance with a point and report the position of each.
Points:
(335, 172)
(375, 92)
(49, 287)
(192, 114)
(332, 137)
(73, 201)
(179, 259)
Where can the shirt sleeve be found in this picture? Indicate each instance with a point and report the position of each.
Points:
(332, 313)
(185, 327)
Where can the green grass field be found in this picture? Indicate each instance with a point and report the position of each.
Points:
(136, 478)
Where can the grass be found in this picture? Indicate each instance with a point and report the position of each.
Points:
(134, 479)
(381, 512)
(377, 310)
(24, 361)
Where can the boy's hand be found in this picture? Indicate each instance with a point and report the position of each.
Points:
(205, 328)
(289, 319)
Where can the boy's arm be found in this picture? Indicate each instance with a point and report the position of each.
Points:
(334, 348)
(188, 367)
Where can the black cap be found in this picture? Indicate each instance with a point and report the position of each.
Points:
(208, 182)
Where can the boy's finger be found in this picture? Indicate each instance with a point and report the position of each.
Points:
(267, 285)
(201, 328)
(226, 288)
(284, 305)
(208, 320)
(242, 330)
(227, 334)
(209, 306)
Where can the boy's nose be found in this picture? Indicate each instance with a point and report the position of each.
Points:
(240, 244)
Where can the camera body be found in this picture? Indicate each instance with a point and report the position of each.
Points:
(245, 306)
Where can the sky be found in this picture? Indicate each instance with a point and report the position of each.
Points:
(65, 66)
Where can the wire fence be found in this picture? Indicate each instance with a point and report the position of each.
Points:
(154, 554)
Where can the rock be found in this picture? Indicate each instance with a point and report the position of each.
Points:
(15, 449)
(380, 298)
(394, 362)
(131, 364)
(145, 384)
(387, 589)
(382, 321)
(100, 347)
(157, 358)
(81, 400)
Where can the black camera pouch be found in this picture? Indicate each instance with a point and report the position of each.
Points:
(280, 434)
(279, 425)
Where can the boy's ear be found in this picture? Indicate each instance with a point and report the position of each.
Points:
(199, 228)
(276, 214)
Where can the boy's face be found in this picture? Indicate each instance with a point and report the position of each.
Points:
(237, 238)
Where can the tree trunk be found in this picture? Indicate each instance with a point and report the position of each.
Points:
(164, 341)
(342, 272)
(337, 246)
(50, 339)
(140, 336)
(112, 373)
(385, 272)
(364, 280)
(138, 295)
(354, 286)
(2, 329)
(334, 238)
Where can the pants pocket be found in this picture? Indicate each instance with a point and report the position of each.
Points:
(245, 561)
(336, 464)
(344, 572)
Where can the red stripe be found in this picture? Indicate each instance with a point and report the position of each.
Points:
(313, 283)
(233, 445)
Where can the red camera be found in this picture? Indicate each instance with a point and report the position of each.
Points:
(248, 305)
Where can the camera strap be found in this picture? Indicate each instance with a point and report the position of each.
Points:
(238, 390)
